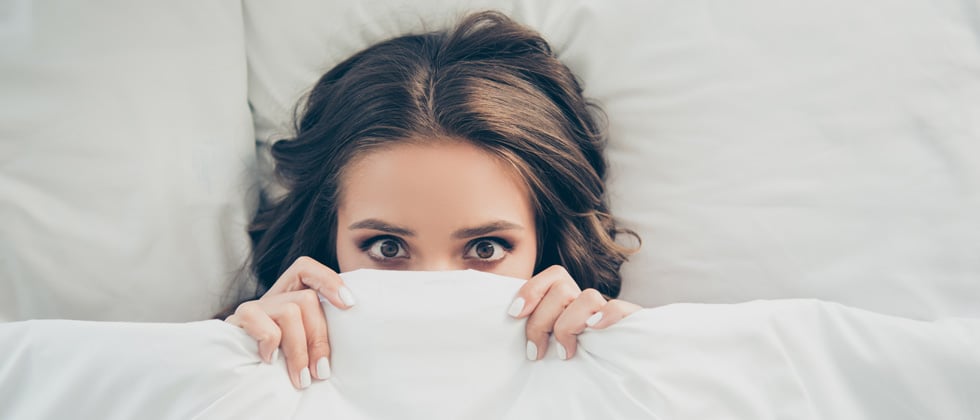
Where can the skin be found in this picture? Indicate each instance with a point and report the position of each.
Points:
(425, 206)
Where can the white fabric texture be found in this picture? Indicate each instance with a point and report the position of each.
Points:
(126, 158)
(762, 149)
(440, 346)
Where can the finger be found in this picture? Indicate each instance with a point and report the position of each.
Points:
(571, 322)
(531, 293)
(329, 285)
(289, 281)
(315, 329)
(611, 313)
(258, 325)
(306, 272)
(542, 321)
(289, 317)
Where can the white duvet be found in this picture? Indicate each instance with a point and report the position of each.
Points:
(440, 346)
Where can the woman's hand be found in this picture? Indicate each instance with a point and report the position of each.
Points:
(290, 315)
(555, 305)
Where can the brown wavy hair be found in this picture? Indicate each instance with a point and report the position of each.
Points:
(488, 81)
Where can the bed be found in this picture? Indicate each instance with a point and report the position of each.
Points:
(805, 178)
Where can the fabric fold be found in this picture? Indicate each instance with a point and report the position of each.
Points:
(439, 345)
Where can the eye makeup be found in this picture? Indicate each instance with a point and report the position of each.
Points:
(367, 246)
(392, 252)
(501, 246)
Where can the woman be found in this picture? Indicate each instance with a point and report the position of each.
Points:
(467, 149)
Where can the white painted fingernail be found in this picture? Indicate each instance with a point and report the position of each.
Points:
(594, 319)
(562, 353)
(304, 378)
(275, 355)
(346, 296)
(516, 307)
(323, 368)
(532, 351)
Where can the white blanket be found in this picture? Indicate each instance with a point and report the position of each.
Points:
(440, 345)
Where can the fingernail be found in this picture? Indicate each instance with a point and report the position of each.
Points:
(594, 319)
(532, 351)
(516, 307)
(346, 296)
(304, 378)
(323, 368)
(275, 355)
(562, 353)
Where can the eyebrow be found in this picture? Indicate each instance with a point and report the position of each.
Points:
(375, 224)
(481, 230)
(380, 225)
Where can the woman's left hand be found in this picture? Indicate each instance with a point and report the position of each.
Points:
(554, 304)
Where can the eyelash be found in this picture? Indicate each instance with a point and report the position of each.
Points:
(368, 243)
(499, 241)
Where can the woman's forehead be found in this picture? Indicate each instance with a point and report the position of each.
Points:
(453, 182)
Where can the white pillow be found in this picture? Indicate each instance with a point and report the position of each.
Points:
(762, 148)
(126, 155)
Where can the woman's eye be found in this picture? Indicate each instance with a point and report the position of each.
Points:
(386, 248)
(487, 250)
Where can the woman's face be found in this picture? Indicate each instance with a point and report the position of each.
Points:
(444, 205)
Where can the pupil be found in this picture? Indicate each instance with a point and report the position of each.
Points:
(484, 250)
(389, 249)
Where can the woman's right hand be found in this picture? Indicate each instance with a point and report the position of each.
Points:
(289, 315)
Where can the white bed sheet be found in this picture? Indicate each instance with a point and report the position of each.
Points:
(439, 345)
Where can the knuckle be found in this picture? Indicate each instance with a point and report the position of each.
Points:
(622, 307)
(536, 291)
(531, 294)
(561, 330)
(569, 325)
(263, 333)
(565, 295)
(614, 306)
(571, 290)
(273, 334)
(309, 267)
(247, 314)
(263, 336)
(537, 336)
(308, 297)
(319, 342)
(592, 294)
(539, 327)
(247, 308)
(592, 297)
(558, 271)
(291, 312)
(319, 346)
